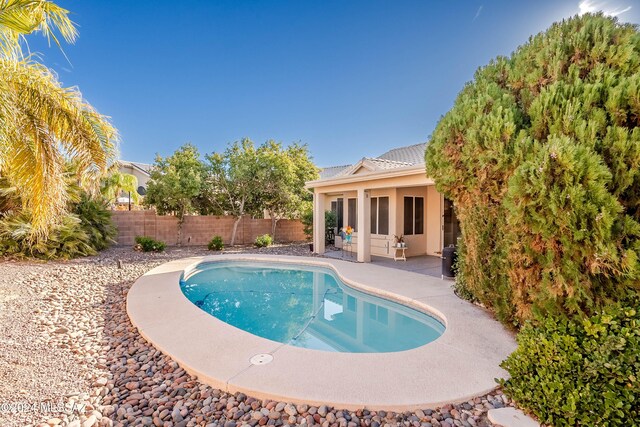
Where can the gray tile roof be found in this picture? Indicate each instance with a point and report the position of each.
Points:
(387, 164)
(392, 159)
(411, 154)
(332, 171)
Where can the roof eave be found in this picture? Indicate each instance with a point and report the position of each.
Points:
(367, 176)
(142, 170)
(132, 165)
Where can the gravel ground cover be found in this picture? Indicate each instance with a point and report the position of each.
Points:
(70, 356)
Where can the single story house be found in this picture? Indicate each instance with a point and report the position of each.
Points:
(382, 197)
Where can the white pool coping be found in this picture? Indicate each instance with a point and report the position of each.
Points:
(461, 364)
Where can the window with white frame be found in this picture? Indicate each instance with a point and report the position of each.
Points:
(337, 206)
(352, 214)
(380, 215)
(413, 215)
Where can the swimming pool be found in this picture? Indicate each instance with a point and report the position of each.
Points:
(305, 306)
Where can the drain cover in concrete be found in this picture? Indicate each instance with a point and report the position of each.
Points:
(261, 359)
(511, 417)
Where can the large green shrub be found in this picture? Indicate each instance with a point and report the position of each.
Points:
(541, 156)
(580, 371)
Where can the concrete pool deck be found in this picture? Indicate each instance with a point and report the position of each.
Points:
(457, 366)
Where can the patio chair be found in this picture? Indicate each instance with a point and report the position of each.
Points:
(329, 236)
(347, 244)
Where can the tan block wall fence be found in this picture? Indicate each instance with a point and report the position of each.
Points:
(198, 230)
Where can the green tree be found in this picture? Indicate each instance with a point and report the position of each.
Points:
(175, 182)
(541, 156)
(43, 124)
(233, 183)
(283, 173)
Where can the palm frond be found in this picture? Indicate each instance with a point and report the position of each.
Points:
(42, 125)
(22, 17)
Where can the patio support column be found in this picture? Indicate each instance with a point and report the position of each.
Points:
(318, 222)
(364, 226)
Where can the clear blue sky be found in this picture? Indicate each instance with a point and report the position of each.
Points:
(349, 78)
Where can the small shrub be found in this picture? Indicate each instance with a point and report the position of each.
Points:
(581, 371)
(263, 241)
(95, 220)
(307, 223)
(216, 244)
(147, 244)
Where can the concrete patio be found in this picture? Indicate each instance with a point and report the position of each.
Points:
(423, 264)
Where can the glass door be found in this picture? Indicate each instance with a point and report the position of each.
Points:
(450, 224)
(337, 206)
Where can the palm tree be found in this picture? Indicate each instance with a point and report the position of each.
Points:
(42, 124)
(117, 182)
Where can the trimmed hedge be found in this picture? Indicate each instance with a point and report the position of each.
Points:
(580, 371)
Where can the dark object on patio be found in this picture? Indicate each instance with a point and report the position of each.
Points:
(448, 260)
(330, 237)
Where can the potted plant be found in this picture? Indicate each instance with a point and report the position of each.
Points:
(399, 240)
(347, 232)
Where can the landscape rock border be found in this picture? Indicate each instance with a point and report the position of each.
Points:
(87, 298)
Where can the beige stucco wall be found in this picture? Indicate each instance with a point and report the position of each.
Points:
(433, 224)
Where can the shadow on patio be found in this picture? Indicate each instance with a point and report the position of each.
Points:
(423, 264)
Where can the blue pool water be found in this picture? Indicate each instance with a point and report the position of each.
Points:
(307, 307)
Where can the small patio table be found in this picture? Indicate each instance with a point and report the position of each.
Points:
(401, 249)
(347, 245)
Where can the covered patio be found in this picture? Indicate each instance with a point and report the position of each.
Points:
(391, 207)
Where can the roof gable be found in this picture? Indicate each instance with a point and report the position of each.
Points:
(393, 159)
(367, 165)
